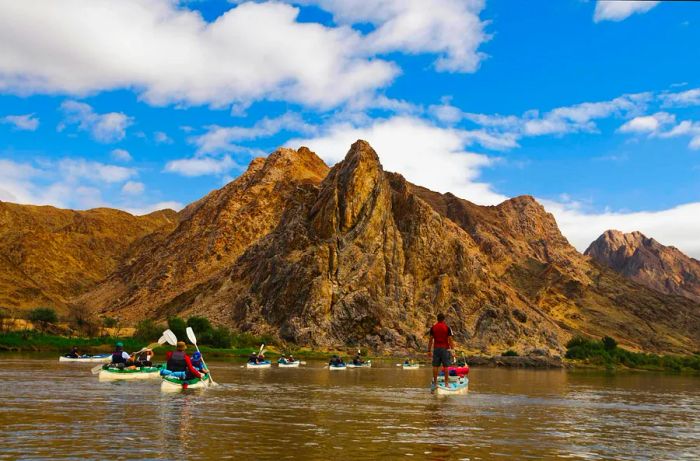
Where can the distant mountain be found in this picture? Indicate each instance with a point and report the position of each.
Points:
(354, 255)
(644, 260)
(48, 255)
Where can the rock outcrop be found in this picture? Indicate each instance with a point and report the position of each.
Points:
(354, 255)
(48, 256)
(646, 261)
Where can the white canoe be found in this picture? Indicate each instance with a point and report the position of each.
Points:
(170, 384)
(265, 364)
(367, 364)
(294, 364)
(337, 367)
(457, 386)
(111, 374)
(87, 358)
(414, 366)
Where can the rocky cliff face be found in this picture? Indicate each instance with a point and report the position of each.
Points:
(646, 261)
(48, 256)
(367, 258)
(354, 255)
(211, 234)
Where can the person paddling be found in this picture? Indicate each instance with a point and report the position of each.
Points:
(439, 346)
(119, 356)
(179, 364)
(198, 362)
(73, 353)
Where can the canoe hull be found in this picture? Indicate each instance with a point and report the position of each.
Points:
(337, 368)
(294, 364)
(410, 367)
(457, 387)
(176, 385)
(258, 365)
(129, 375)
(88, 359)
(367, 364)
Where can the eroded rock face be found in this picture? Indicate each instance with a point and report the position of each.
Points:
(48, 255)
(646, 261)
(371, 259)
(355, 255)
(211, 234)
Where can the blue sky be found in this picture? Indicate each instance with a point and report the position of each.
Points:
(592, 107)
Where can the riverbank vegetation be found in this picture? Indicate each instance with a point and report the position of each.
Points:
(606, 353)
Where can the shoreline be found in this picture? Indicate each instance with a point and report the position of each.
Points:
(14, 342)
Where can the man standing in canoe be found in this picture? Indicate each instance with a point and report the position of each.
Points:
(440, 344)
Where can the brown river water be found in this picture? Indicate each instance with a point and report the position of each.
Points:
(60, 411)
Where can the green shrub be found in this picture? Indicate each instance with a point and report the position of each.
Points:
(109, 322)
(219, 337)
(43, 316)
(148, 331)
(510, 353)
(178, 327)
(609, 343)
(200, 325)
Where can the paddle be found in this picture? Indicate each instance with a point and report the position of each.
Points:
(170, 337)
(193, 340)
(160, 342)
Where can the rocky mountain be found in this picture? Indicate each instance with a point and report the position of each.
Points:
(48, 256)
(354, 255)
(361, 256)
(646, 261)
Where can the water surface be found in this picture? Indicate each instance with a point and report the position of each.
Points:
(51, 411)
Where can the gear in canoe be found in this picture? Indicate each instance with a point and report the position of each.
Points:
(179, 365)
(173, 384)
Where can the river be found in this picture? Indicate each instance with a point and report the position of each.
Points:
(51, 410)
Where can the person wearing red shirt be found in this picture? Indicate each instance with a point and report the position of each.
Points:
(439, 345)
(179, 364)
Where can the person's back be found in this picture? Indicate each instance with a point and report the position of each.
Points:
(440, 342)
(120, 357)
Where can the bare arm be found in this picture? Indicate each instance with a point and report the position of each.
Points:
(430, 344)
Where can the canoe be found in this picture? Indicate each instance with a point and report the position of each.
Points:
(265, 364)
(172, 384)
(113, 374)
(86, 358)
(413, 366)
(337, 367)
(367, 364)
(457, 386)
(284, 364)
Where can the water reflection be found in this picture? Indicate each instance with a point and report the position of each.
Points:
(51, 410)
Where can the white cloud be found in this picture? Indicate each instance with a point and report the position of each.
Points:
(449, 28)
(201, 166)
(223, 139)
(76, 169)
(27, 122)
(678, 226)
(121, 155)
(161, 137)
(170, 54)
(648, 123)
(133, 188)
(425, 154)
(16, 181)
(682, 99)
(685, 128)
(140, 211)
(105, 128)
(606, 10)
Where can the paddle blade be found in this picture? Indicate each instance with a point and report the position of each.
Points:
(96, 369)
(162, 340)
(170, 337)
(262, 346)
(191, 336)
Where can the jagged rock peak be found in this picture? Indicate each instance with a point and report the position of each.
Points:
(644, 260)
(350, 189)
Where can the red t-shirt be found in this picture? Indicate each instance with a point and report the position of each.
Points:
(440, 332)
(192, 369)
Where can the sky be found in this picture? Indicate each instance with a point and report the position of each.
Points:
(591, 107)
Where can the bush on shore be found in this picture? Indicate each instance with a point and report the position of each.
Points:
(606, 352)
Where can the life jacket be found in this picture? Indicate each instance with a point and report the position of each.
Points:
(177, 362)
(117, 357)
(197, 363)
